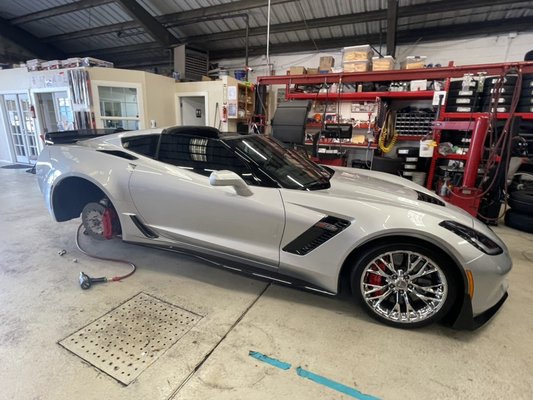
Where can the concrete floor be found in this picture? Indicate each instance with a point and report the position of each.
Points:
(41, 303)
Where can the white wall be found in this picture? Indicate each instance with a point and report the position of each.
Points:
(490, 49)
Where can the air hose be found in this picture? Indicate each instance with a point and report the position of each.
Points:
(86, 281)
(388, 135)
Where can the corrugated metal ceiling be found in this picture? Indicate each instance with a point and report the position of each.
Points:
(287, 12)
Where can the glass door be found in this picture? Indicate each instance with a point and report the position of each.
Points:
(21, 127)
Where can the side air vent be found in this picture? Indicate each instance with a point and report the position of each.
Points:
(143, 228)
(429, 199)
(118, 153)
(317, 235)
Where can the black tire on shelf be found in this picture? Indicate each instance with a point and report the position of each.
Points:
(516, 220)
(527, 92)
(458, 85)
(508, 80)
(400, 288)
(526, 101)
(524, 109)
(452, 94)
(463, 109)
(505, 89)
(522, 201)
(527, 85)
(466, 101)
(408, 151)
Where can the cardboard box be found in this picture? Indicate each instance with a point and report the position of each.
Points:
(357, 66)
(382, 63)
(414, 62)
(311, 71)
(326, 63)
(34, 64)
(53, 64)
(357, 53)
(421, 84)
(297, 70)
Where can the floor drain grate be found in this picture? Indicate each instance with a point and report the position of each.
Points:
(128, 339)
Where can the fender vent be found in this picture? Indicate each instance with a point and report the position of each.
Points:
(317, 235)
(143, 228)
(429, 199)
(118, 153)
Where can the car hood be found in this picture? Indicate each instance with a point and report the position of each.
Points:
(391, 190)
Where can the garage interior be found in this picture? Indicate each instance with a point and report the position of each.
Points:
(421, 89)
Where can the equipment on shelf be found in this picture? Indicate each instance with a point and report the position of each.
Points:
(414, 123)
(412, 166)
(288, 124)
(338, 131)
(388, 133)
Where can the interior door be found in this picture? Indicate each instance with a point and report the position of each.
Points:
(21, 127)
(192, 111)
(180, 204)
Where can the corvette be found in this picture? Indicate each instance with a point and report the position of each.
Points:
(247, 203)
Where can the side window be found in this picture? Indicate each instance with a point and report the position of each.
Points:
(145, 145)
(203, 155)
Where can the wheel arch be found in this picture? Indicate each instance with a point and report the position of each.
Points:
(344, 275)
(71, 194)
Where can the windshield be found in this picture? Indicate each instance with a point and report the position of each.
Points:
(288, 168)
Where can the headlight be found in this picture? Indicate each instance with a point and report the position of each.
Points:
(476, 239)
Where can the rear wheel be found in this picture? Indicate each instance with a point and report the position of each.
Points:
(403, 285)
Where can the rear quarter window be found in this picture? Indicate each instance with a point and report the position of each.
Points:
(145, 145)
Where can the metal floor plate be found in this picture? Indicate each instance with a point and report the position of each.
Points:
(128, 339)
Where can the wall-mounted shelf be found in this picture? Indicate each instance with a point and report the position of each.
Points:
(362, 96)
(456, 115)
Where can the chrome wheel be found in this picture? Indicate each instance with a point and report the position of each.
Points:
(404, 287)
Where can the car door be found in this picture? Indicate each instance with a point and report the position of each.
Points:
(175, 199)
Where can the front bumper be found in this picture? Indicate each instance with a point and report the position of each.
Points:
(490, 292)
(466, 320)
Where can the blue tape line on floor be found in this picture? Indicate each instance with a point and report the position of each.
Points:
(269, 360)
(339, 387)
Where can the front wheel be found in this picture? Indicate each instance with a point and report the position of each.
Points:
(404, 285)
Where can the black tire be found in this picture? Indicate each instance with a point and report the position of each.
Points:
(408, 151)
(519, 221)
(463, 109)
(524, 109)
(402, 285)
(522, 201)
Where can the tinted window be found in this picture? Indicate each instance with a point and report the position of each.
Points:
(288, 168)
(145, 145)
(203, 155)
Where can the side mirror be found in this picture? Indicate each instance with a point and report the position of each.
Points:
(229, 178)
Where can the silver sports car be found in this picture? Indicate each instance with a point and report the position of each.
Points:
(249, 204)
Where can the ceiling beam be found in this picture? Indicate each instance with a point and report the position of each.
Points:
(220, 9)
(174, 19)
(392, 24)
(136, 63)
(113, 51)
(349, 19)
(148, 22)
(190, 17)
(403, 37)
(59, 10)
(28, 41)
(99, 30)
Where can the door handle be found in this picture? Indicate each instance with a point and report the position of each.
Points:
(131, 167)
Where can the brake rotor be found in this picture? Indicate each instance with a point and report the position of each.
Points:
(92, 218)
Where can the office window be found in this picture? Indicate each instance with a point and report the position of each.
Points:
(119, 107)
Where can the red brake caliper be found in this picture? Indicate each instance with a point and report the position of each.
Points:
(377, 280)
(107, 221)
